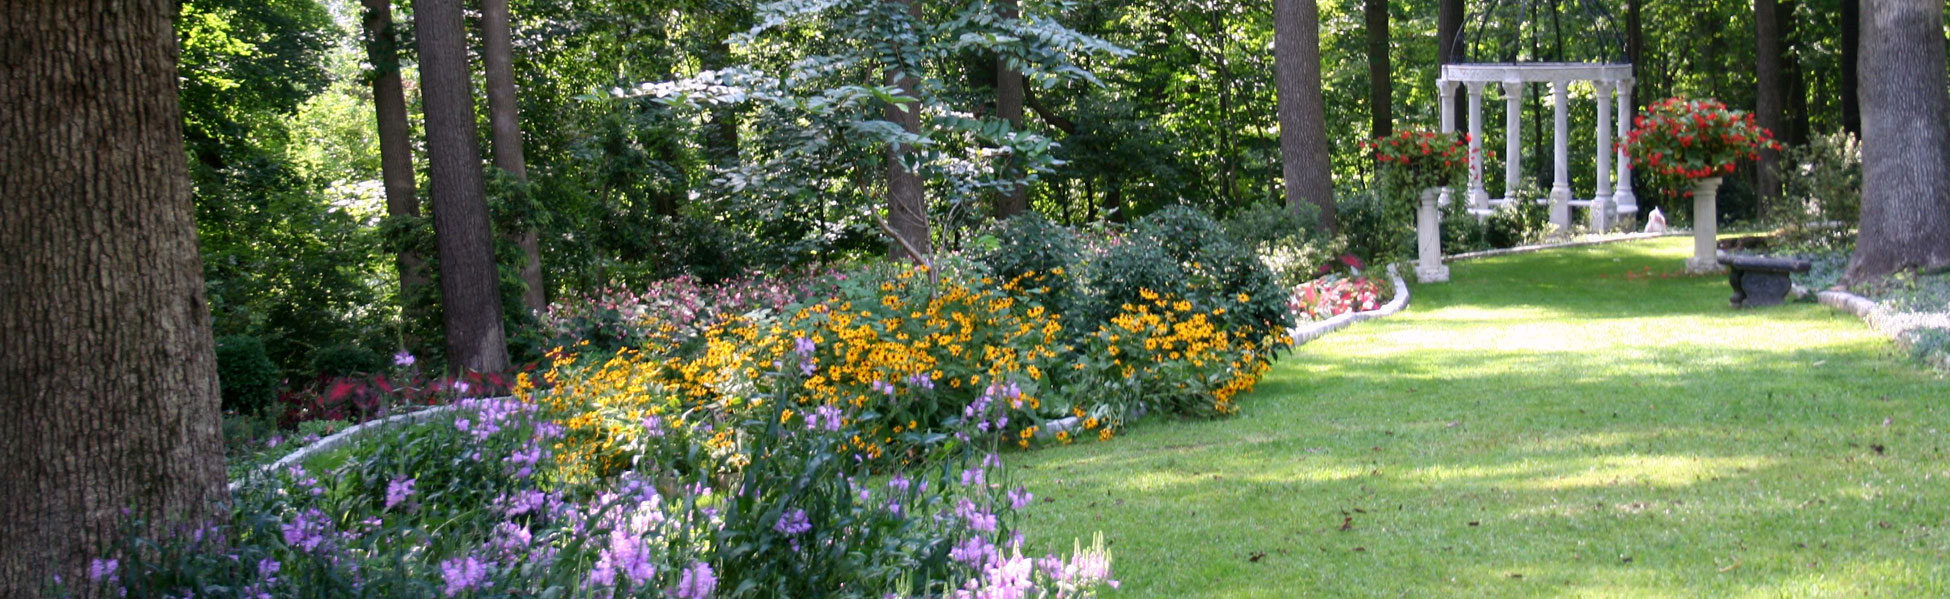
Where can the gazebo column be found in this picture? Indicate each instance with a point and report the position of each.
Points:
(1512, 138)
(1561, 151)
(1446, 106)
(1478, 199)
(1627, 202)
(1601, 206)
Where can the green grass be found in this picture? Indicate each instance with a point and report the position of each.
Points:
(1540, 427)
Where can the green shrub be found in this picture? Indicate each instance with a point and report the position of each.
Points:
(345, 360)
(1125, 267)
(1042, 257)
(246, 376)
(1288, 242)
(1821, 192)
(1523, 222)
(1371, 229)
(1181, 231)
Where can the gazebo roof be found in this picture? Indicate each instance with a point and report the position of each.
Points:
(1535, 72)
(1522, 32)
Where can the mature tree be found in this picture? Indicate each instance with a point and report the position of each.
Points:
(110, 390)
(907, 207)
(1380, 88)
(1303, 121)
(504, 131)
(1008, 106)
(1448, 41)
(1905, 141)
(470, 293)
(395, 136)
(1851, 51)
(1768, 94)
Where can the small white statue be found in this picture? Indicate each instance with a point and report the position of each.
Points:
(1656, 223)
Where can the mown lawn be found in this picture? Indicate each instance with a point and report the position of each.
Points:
(1544, 426)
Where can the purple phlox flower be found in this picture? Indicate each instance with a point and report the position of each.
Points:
(653, 426)
(920, 380)
(398, 491)
(883, 387)
(268, 568)
(899, 483)
(825, 418)
(1090, 565)
(992, 461)
(103, 569)
(523, 502)
(546, 430)
(697, 582)
(626, 554)
(308, 531)
(977, 518)
(524, 460)
(1019, 498)
(511, 539)
(403, 359)
(804, 346)
(463, 574)
(974, 477)
(973, 552)
(793, 523)
(1004, 578)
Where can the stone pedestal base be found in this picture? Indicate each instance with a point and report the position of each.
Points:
(1705, 227)
(1428, 239)
(1432, 273)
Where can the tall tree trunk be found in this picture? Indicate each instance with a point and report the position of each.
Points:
(1380, 90)
(1302, 114)
(1905, 142)
(109, 384)
(1635, 52)
(1008, 107)
(469, 284)
(1449, 46)
(1767, 100)
(1851, 53)
(504, 129)
(1794, 82)
(907, 208)
(722, 136)
(395, 138)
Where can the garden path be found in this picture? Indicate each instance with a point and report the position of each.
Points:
(1581, 422)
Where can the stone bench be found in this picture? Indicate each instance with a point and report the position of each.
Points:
(1760, 281)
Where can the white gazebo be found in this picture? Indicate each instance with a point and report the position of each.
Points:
(1610, 80)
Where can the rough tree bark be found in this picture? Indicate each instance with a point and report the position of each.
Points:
(1380, 86)
(1905, 142)
(1449, 47)
(1794, 81)
(395, 141)
(907, 208)
(109, 386)
(1767, 99)
(1008, 106)
(504, 131)
(1302, 114)
(1851, 53)
(469, 285)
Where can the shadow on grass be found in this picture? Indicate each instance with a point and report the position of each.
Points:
(1616, 439)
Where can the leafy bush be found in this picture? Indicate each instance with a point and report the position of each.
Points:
(247, 378)
(1286, 241)
(345, 360)
(1040, 255)
(479, 504)
(1371, 229)
(1821, 199)
(1522, 222)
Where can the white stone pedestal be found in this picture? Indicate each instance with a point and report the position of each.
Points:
(1428, 239)
(1705, 227)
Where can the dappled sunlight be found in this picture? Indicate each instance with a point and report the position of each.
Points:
(1512, 436)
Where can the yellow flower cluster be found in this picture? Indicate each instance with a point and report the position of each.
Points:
(1179, 357)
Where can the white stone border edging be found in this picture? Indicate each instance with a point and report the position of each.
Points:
(1301, 335)
(1525, 249)
(345, 437)
(1315, 330)
(1898, 326)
